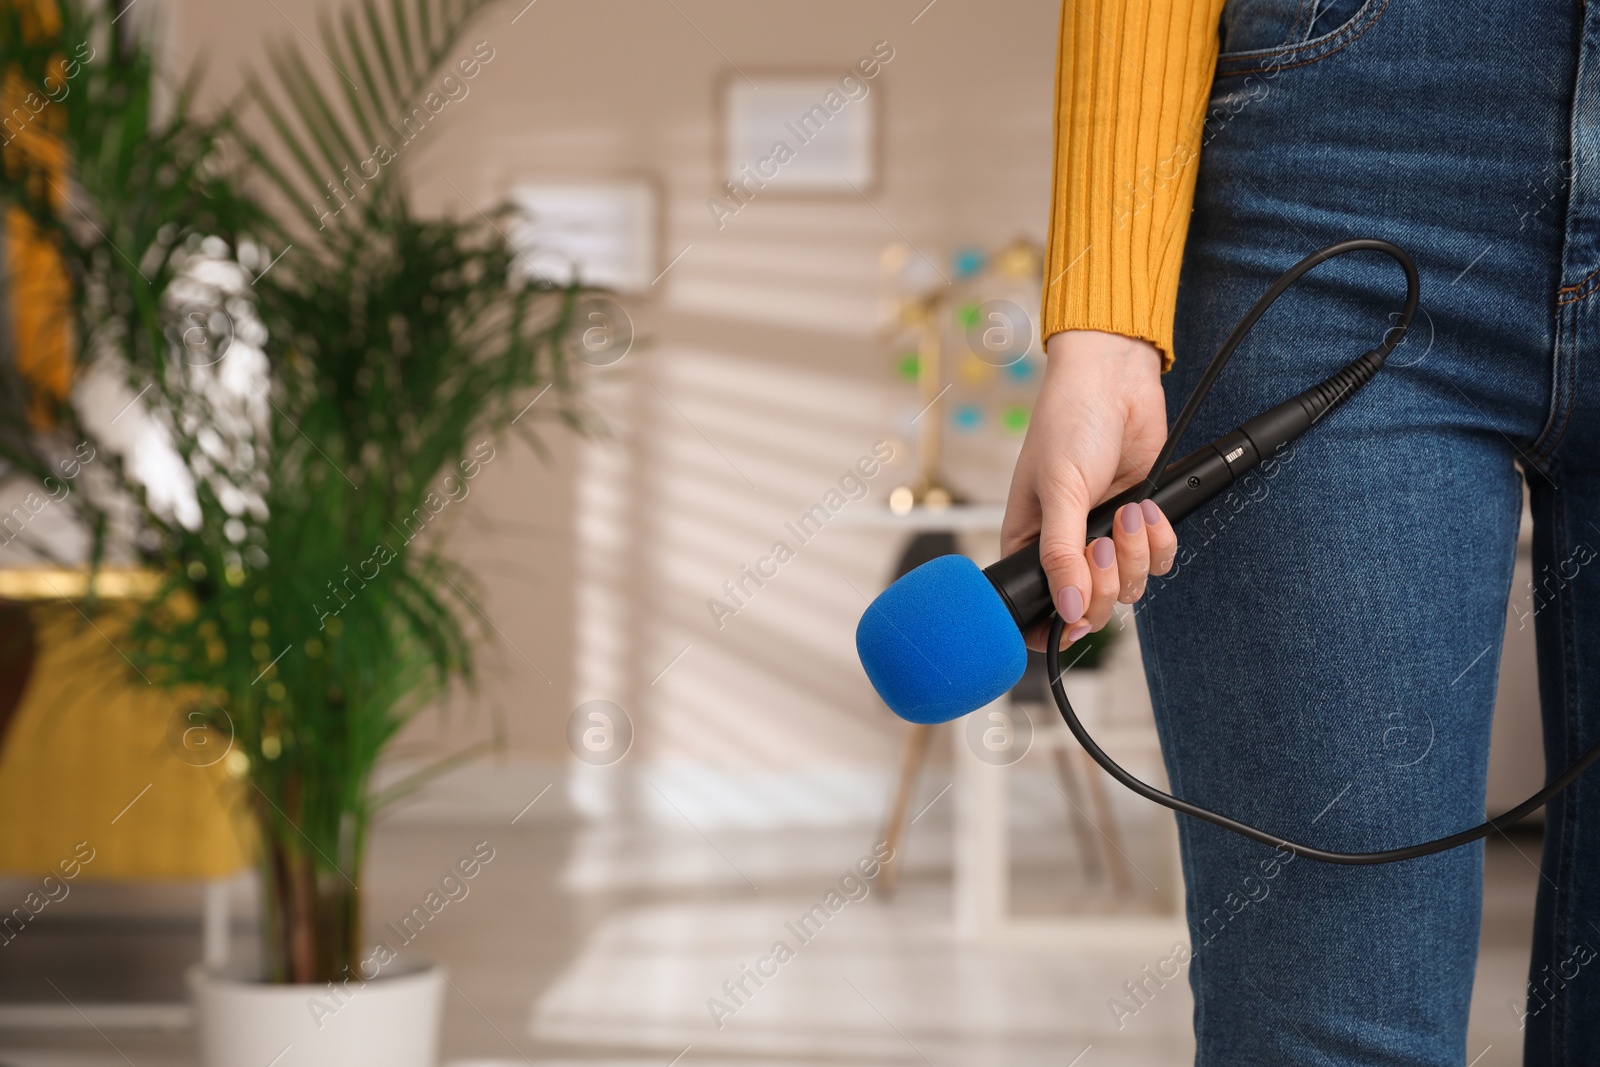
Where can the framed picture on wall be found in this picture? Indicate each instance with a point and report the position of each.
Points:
(600, 232)
(800, 133)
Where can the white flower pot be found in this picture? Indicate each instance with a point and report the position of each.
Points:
(391, 1021)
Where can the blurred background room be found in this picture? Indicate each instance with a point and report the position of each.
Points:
(447, 447)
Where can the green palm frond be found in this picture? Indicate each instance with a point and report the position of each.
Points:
(344, 115)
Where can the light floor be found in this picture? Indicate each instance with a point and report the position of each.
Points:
(600, 946)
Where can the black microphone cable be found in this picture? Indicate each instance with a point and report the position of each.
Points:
(1334, 390)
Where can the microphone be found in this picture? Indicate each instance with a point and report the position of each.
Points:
(946, 638)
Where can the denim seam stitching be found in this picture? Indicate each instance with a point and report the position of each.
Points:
(1300, 19)
(1579, 283)
(1567, 847)
(1586, 290)
(1313, 53)
(1253, 54)
(1562, 372)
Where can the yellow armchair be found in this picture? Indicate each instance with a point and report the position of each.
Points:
(93, 761)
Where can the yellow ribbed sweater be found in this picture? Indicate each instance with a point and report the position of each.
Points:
(1132, 80)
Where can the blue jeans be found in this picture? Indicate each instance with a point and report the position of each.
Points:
(1323, 660)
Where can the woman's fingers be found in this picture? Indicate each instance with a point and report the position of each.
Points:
(1142, 543)
(1103, 568)
(1163, 539)
(1118, 568)
(1133, 551)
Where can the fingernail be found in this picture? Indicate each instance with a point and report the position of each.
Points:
(1104, 552)
(1152, 514)
(1069, 604)
(1131, 519)
(1077, 630)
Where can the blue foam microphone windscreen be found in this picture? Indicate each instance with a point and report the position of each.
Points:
(940, 642)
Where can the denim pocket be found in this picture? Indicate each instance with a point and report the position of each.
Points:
(1270, 35)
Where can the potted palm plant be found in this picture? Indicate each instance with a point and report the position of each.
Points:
(311, 380)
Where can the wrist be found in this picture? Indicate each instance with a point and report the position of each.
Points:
(1114, 352)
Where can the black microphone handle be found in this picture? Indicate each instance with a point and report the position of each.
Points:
(1183, 487)
(1187, 484)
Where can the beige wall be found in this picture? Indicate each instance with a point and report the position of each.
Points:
(759, 366)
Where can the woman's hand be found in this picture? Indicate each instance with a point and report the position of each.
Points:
(1097, 426)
